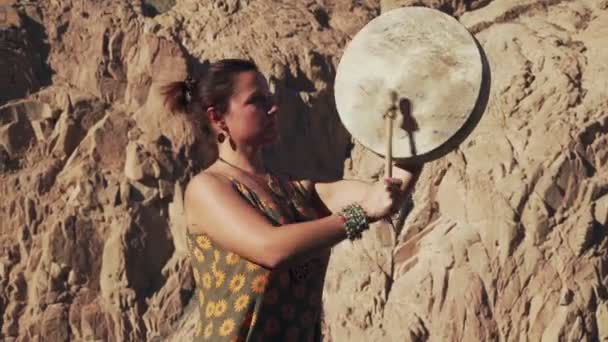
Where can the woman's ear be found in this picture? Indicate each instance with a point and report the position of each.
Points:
(216, 119)
(213, 115)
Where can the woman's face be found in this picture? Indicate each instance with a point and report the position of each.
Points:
(252, 114)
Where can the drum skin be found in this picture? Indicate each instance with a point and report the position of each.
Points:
(429, 61)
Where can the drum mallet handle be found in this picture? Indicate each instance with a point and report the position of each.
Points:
(389, 117)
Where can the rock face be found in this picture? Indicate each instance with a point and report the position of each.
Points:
(23, 53)
(507, 239)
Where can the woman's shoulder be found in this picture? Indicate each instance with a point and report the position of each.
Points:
(209, 181)
(204, 193)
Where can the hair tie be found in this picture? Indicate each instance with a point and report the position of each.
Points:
(189, 85)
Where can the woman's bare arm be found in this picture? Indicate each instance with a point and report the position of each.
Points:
(336, 195)
(213, 207)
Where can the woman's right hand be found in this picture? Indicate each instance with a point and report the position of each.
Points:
(383, 199)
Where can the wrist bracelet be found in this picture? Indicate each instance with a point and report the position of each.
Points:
(355, 220)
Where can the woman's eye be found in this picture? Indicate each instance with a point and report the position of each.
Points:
(255, 99)
(261, 100)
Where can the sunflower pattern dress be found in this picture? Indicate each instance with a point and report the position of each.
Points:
(240, 300)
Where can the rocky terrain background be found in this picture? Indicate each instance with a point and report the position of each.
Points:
(507, 239)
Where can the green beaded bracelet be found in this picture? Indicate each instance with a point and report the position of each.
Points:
(355, 220)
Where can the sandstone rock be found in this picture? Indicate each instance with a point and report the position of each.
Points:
(137, 165)
(506, 239)
(94, 322)
(85, 310)
(455, 8)
(113, 267)
(601, 210)
(144, 193)
(165, 189)
(55, 323)
(167, 306)
(21, 124)
(566, 296)
(23, 68)
(177, 221)
(525, 173)
(103, 147)
(10, 16)
(602, 316)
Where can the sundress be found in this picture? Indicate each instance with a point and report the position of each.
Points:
(240, 300)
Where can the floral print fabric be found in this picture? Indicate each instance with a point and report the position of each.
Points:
(241, 301)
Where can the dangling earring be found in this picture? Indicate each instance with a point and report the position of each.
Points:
(221, 137)
(232, 144)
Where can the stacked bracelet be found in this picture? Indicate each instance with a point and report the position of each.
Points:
(355, 220)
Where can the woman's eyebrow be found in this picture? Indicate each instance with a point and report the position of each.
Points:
(254, 94)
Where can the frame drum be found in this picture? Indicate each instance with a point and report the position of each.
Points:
(418, 61)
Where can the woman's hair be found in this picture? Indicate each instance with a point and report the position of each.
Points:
(213, 89)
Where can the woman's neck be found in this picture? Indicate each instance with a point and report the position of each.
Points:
(247, 160)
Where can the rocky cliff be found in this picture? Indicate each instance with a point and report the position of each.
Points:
(507, 239)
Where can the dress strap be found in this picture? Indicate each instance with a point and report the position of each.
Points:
(270, 210)
(245, 191)
(289, 199)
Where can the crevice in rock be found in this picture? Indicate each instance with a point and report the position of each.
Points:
(152, 8)
(23, 59)
(322, 17)
(514, 13)
(444, 288)
(389, 280)
(148, 250)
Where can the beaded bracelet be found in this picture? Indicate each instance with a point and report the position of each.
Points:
(355, 220)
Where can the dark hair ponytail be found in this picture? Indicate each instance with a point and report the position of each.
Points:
(180, 95)
(213, 89)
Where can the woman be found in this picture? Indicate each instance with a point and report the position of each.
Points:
(255, 281)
